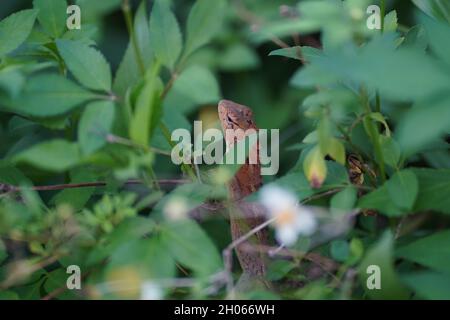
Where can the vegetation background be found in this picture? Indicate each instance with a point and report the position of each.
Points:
(98, 104)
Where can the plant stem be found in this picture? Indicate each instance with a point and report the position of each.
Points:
(129, 22)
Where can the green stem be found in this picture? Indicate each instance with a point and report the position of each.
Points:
(383, 12)
(129, 22)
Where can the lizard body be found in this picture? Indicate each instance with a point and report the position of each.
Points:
(246, 181)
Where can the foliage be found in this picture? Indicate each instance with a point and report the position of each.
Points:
(85, 172)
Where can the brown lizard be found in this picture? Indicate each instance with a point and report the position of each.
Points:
(246, 181)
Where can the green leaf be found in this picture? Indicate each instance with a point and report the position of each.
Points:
(147, 109)
(344, 200)
(432, 251)
(403, 187)
(434, 188)
(55, 155)
(390, 22)
(95, 124)
(340, 250)
(426, 122)
(291, 52)
(391, 151)
(381, 201)
(192, 247)
(439, 9)
(204, 20)
(438, 35)
(49, 95)
(165, 34)
(238, 57)
(77, 197)
(15, 29)
(381, 255)
(429, 285)
(336, 150)
(129, 71)
(87, 64)
(52, 15)
(196, 86)
(278, 269)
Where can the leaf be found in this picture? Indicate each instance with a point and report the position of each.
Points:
(129, 71)
(49, 95)
(340, 250)
(238, 57)
(431, 251)
(434, 188)
(278, 269)
(165, 34)
(439, 9)
(95, 124)
(54, 155)
(336, 150)
(426, 122)
(15, 29)
(403, 187)
(344, 200)
(429, 285)
(52, 15)
(196, 86)
(291, 52)
(204, 20)
(381, 255)
(77, 197)
(87, 64)
(391, 151)
(315, 168)
(192, 247)
(147, 109)
(438, 35)
(390, 22)
(381, 201)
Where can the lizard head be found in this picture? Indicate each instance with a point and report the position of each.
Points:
(235, 116)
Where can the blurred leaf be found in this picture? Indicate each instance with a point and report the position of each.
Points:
(434, 188)
(196, 86)
(9, 295)
(204, 20)
(391, 151)
(238, 57)
(403, 187)
(438, 35)
(278, 269)
(431, 251)
(54, 155)
(50, 95)
(93, 9)
(129, 71)
(344, 200)
(14, 30)
(77, 197)
(429, 285)
(192, 247)
(381, 255)
(424, 123)
(52, 15)
(381, 201)
(87, 64)
(165, 34)
(148, 108)
(57, 279)
(336, 150)
(291, 52)
(390, 21)
(95, 124)
(315, 167)
(340, 250)
(416, 37)
(148, 256)
(439, 9)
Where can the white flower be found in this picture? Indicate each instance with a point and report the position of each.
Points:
(291, 219)
(151, 291)
(176, 208)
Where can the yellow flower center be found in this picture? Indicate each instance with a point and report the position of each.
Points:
(286, 217)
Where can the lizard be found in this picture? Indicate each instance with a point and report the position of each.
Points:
(246, 181)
